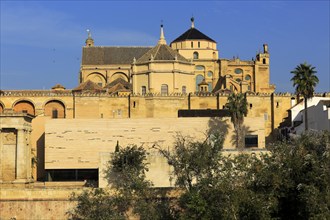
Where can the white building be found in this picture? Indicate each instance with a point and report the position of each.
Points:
(318, 115)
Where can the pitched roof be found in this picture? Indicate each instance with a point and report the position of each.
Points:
(88, 86)
(118, 85)
(111, 55)
(161, 52)
(193, 34)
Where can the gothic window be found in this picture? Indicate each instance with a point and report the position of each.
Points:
(164, 89)
(143, 90)
(196, 55)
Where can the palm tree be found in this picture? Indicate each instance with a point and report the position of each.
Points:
(237, 106)
(304, 81)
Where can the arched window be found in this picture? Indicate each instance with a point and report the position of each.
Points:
(247, 77)
(196, 55)
(24, 106)
(210, 74)
(164, 89)
(263, 61)
(184, 89)
(143, 90)
(199, 79)
(55, 109)
(200, 68)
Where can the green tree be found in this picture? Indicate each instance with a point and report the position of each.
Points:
(304, 81)
(295, 175)
(129, 192)
(237, 106)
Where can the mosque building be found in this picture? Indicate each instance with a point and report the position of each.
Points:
(135, 95)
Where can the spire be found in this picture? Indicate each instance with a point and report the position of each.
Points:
(89, 41)
(162, 38)
(192, 22)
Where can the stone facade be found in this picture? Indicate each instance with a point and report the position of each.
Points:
(15, 148)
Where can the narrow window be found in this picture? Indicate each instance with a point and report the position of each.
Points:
(264, 61)
(143, 90)
(192, 44)
(134, 104)
(277, 104)
(199, 44)
(250, 105)
(164, 89)
(196, 55)
(54, 113)
(184, 89)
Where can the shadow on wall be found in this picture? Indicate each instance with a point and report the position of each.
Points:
(41, 158)
(218, 126)
(244, 132)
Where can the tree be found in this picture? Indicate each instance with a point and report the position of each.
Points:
(304, 81)
(237, 106)
(129, 192)
(296, 176)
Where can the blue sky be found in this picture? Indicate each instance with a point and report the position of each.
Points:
(41, 41)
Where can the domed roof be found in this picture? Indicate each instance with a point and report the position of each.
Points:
(193, 34)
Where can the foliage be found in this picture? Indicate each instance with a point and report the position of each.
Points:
(130, 191)
(237, 107)
(304, 81)
(194, 160)
(292, 181)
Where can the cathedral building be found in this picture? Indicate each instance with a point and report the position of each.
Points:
(136, 95)
(189, 64)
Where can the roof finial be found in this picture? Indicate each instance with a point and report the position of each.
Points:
(89, 34)
(192, 22)
(89, 40)
(162, 37)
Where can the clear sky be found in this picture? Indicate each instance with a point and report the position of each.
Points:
(41, 41)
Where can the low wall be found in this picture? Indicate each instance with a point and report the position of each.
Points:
(34, 204)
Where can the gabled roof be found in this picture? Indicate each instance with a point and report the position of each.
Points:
(118, 85)
(161, 52)
(193, 34)
(111, 55)
(88, 86)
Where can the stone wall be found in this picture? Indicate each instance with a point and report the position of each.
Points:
(47, 203)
